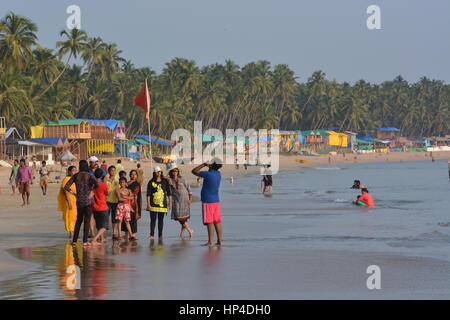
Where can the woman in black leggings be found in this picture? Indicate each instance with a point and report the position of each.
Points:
(85, 184)
(159, 201)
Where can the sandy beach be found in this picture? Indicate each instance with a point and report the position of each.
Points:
(40, 225)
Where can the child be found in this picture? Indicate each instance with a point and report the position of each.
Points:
(100, 206)
(124, 195)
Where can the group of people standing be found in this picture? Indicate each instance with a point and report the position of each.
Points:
(95, 196)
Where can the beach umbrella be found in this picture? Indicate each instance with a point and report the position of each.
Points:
(67, 156)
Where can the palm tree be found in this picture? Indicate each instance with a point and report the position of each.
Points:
(14, 100)
(17, 37)
(74, 45)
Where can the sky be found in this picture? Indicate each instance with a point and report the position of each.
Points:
(307, 35)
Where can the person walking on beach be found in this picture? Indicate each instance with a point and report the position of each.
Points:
(69, 212)
(159, 201)
(12, 177)
(111, 200)
(124, 209)
(210, 199)
(100, 207)
(24, 178)
(44, 173)
(136, 204)
(85, 184)
(181, 200)
(267, 182)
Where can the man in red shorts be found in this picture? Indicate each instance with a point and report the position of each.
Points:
(210, 199)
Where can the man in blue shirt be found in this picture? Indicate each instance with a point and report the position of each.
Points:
(210, 199)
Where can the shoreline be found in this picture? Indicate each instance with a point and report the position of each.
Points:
(22, 227)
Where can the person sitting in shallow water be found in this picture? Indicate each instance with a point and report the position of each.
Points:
(357, 185)
(365, 199)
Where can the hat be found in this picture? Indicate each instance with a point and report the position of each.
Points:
(92, 159)
(157, 169)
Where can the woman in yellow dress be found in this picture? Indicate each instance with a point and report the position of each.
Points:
(69, 214)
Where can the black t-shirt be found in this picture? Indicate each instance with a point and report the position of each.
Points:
(158, 193)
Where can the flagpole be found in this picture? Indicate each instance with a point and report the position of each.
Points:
(149, 130)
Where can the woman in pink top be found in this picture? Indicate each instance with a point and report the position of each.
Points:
(24, 178)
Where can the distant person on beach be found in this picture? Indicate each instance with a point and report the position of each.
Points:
(100, 207)
(357, 185)
(12, 177)
(159, 201)
(365, 199)
(119, 168)
(69, 211)
(124, 209)
(104, 167)
(24, 178)
(136, 204)
(267, 182)
(111, 200)
(210, 199)
(123, 174)
(85, 184)
(448, 162)
(44, 173)
(181, 200)
(140, 174)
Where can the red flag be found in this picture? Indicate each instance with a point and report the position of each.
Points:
(143, 99)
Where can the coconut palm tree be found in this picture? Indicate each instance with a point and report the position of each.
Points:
(17, 39)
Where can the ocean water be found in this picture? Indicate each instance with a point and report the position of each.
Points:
(306, 240)
(311, 208)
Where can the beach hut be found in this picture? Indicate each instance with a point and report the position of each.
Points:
(387, 133)
(86, 137)
(337, 139)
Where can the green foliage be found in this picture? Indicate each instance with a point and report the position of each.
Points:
(39, 84)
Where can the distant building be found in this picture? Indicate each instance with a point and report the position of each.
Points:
(387, 133)
(86, 137)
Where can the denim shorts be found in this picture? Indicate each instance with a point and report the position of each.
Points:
(112, 211)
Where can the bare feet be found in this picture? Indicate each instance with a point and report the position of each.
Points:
(219, 243)
(191, 231)
(86, 244)
(208, 244)
(152, 237)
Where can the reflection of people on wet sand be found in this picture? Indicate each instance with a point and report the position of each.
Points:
(210, 199)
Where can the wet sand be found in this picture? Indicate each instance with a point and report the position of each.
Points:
(40, 226)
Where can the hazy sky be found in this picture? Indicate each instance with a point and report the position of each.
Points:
(308, 35)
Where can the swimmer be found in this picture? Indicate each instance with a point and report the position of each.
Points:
(365, 199)
(357, 185)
